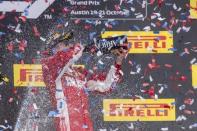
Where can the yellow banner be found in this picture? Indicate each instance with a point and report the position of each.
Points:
(139, 110)
(28, 75)
(146, 42)
(193, 9)
(194, 76)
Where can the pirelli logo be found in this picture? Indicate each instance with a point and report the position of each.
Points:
(146, 42)
(28, 75)
(194, 76)
(139, 110)
(31, 75)
(193, 9)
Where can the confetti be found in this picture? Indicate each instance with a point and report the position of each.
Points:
(144, 76)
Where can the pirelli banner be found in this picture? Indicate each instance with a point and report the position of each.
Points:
(193, 9)
(194, 76)
(146, 41)
(28, 75)
(139, 110)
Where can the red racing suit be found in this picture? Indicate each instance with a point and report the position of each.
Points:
(66, 86)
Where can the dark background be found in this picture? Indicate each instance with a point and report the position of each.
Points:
(17, 112)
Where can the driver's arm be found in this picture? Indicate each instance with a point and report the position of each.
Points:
(113, 77)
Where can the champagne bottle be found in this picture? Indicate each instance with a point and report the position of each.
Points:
(105, 45)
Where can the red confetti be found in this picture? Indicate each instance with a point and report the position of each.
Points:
(183, 78)
(35, 31)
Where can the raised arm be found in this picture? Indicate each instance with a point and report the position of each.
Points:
(112, 78)
(78, 50)
(53, 70)
(54, 67)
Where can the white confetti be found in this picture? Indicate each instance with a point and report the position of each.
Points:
(164, 129)
(193, 61)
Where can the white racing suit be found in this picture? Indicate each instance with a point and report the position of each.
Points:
(66, 86)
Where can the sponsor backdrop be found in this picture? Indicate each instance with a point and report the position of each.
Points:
(26, 75)
(194, 76)
(159, 73)
(193, 9)
(146, 42)
(30, 75)
(139, 110)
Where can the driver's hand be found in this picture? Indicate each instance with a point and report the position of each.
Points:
(121, 54)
